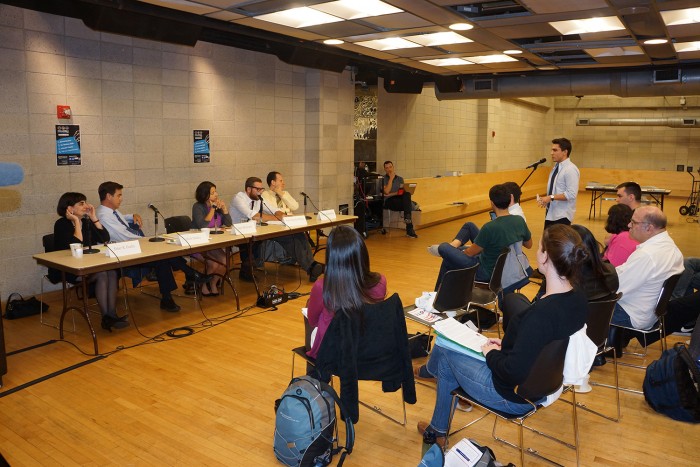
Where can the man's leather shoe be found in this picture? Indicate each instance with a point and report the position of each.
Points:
(199, 278)
(599, 360)
(439, 439)
(168, 304)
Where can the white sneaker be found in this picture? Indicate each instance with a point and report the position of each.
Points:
(433, 250)
(464, 406)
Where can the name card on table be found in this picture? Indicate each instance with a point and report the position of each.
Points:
(117, 250)
(295, 221)
(188, 238)
(244, 228)
(326, 215)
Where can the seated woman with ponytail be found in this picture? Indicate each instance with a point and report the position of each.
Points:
(558, 314)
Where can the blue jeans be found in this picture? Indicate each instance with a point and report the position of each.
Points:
(454, 258)
(467, 233)
(620, 317)
(454, 370)
(689, 280)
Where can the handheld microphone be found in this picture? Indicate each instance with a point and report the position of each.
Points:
(153, 208)
(535, 164)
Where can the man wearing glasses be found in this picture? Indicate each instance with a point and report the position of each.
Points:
(641, 277)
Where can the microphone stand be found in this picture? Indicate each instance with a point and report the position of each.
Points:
(89, 250)
(216, 230)
(530, 175)
(262, 203)
(305, 215)
(156, 238)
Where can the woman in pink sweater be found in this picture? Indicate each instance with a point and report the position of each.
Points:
(619, 245)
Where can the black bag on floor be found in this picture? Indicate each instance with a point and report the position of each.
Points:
(18, 307)
(486, 318)
(671, 385)
(419, 344)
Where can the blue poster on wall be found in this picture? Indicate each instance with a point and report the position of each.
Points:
(67, 144)
(201, 146)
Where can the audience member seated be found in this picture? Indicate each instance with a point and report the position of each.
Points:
(641, 277)
(629, 194)
(77, 221)
(347, 284)
(117, 225)
(557, 315)
(689, 280)
(210, 212)
(396, 198)
(618, 244)
(487, 243)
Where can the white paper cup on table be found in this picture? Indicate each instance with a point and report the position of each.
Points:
(76, 250)
(206, 230)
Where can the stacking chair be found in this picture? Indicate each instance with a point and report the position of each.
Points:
(597, 329)
(456, 289)
(658, 327)
(371, 347)
(545, 378)
(485, 296)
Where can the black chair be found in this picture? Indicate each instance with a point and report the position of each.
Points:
(545, 378)
(658, 327)
(486, 295)
(597, 330)
(456, 289)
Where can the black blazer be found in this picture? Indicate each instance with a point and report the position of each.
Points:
(373, 346)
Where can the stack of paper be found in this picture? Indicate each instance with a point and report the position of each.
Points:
(458, 337)
(424, 315)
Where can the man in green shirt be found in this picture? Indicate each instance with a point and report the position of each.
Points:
(492, 239)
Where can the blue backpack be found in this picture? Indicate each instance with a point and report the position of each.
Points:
(305, 425)
(671, 385)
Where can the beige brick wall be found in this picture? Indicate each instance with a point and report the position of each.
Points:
(137, 102)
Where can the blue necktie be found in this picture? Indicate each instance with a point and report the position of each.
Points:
(121, 221)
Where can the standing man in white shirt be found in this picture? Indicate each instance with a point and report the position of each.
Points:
(562, 186)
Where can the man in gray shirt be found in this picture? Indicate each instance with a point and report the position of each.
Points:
(396, 199)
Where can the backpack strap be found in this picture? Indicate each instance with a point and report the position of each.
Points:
(349, 427)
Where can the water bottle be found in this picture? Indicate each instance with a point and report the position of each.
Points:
(429, 438)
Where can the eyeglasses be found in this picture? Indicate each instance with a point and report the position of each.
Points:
(259, 188)
(634, 222)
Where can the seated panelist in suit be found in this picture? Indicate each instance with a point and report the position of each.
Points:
(117, 224)
(76, 223)
(210, 212)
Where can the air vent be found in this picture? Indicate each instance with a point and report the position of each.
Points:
(689, 122)
(582, 122)
(484, 85)
(667, 76)
(489, 10)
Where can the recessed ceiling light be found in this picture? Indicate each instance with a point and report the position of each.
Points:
(678, 17)
(390, 43)
(495, 58)
(614, 51)
(438, 38)
(655, 41)
(454, 61)
(461, 26)
(299, 17)
(333, 42)
(512, 52)
(588, 25)
(356, 9)
(546, 67)
(687, 46)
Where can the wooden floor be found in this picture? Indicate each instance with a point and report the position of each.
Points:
(207, 399)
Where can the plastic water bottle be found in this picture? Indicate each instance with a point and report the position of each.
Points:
(429, 438)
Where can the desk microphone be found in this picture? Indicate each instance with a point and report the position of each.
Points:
(89, 250)
(305, 198)
(315, 207)
(155, 220)
(262, 204)
(535, 164)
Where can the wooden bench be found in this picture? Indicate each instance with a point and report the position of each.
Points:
(444, 199)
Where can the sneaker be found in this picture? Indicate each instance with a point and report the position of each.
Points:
(433, 250)
(168, 304)
(410, 232)
(464, 406)
(688, 329)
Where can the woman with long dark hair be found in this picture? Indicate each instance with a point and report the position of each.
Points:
(348, 282)
(210, 212)
(618, 245)
(598, 278)
(558, 314)
(78, 220)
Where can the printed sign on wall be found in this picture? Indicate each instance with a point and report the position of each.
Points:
(67, 144)
(201, 146)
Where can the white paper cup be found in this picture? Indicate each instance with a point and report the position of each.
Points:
(206, 230)
(76, 250)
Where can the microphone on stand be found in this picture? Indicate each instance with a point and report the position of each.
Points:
(89, 250)
(262, 203)
(305, 198)
(535, 164)
(216, 230)
(155, 217)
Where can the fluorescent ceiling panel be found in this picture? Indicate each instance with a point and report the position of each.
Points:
(438, 38)
(687, 46)
(588, 25)
(496, 58)
(447, 62)
(299, 17)
(390, 43)
(677, 17)
(356, 9)
(614, 51)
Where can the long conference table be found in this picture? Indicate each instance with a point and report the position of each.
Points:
(154, 251)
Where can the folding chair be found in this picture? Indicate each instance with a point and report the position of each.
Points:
(486, 295)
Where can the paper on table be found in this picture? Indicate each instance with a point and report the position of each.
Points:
(454, 331)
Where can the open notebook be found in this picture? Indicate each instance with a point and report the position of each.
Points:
(458, 337)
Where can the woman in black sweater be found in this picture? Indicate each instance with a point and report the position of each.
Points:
(77, 220)
(558, 314)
